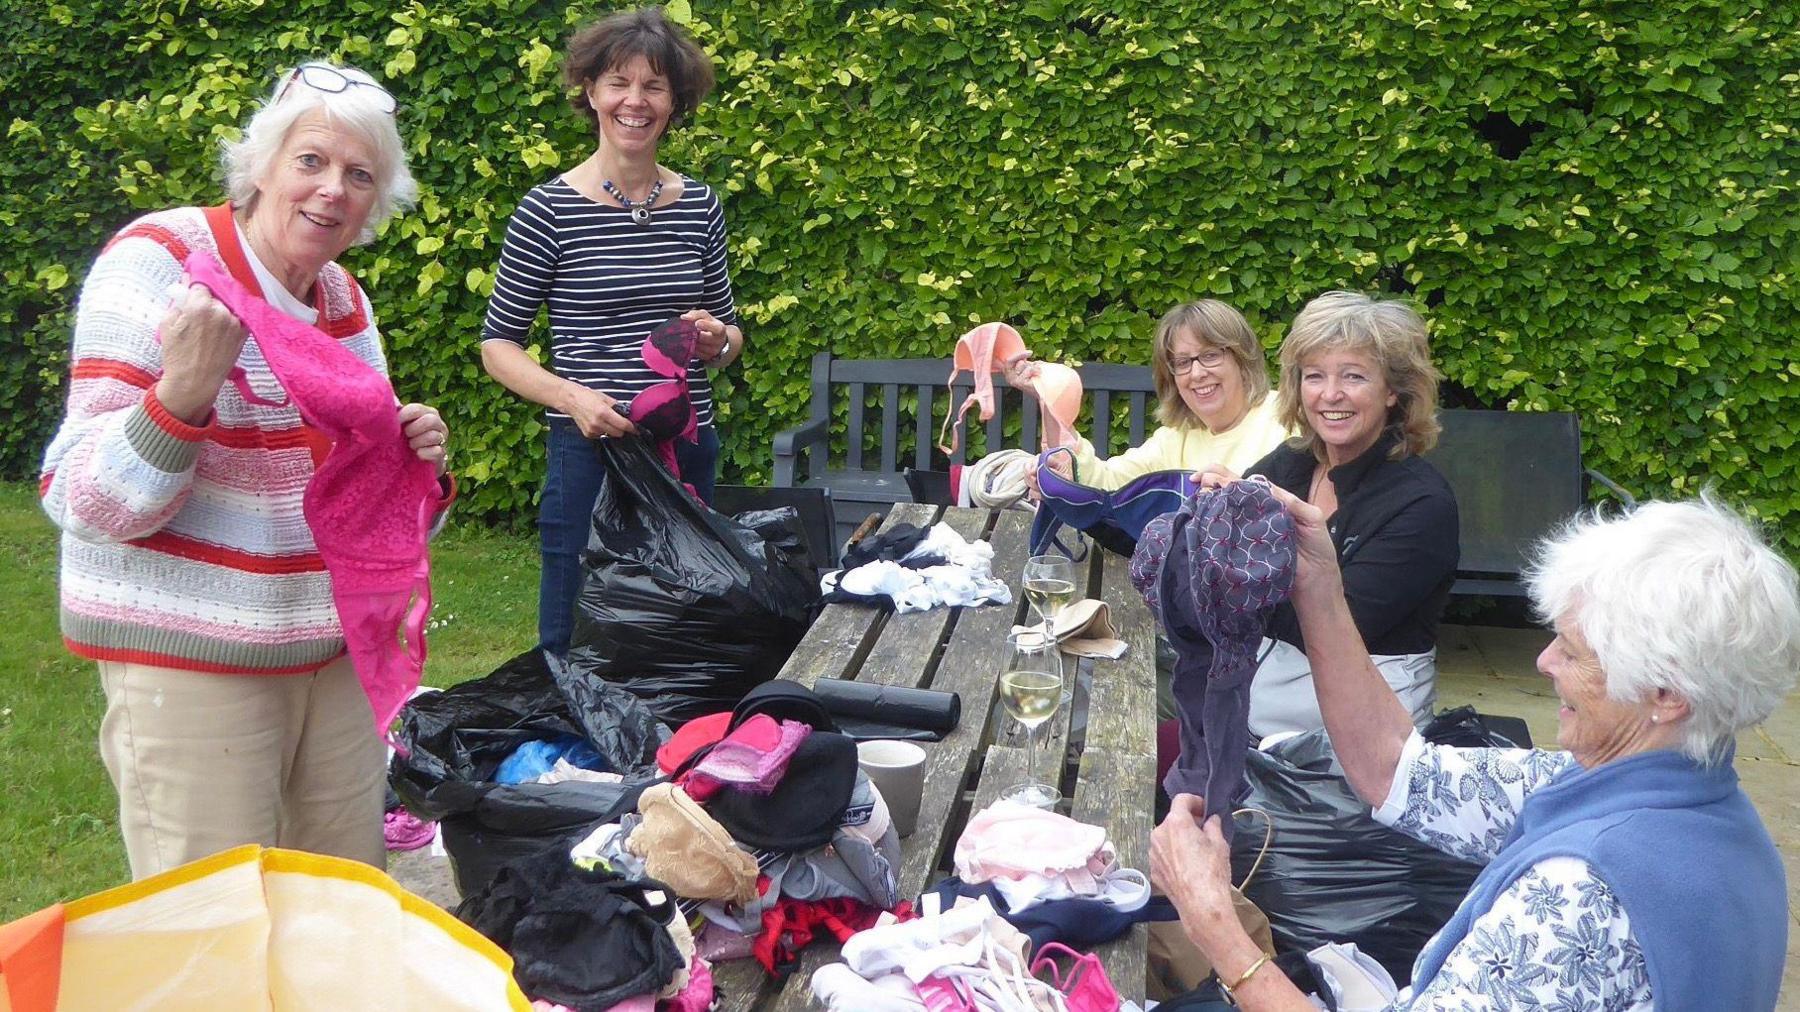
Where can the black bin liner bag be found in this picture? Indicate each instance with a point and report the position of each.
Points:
(452, 742)
(685, 607)
(1334, 874)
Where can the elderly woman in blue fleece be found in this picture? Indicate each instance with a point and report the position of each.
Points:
(1628, 872)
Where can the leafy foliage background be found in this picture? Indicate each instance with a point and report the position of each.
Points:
(1595, 201)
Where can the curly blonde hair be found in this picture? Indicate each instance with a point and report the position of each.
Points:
(1389, 331)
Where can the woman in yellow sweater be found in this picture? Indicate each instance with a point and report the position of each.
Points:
(1215, 407)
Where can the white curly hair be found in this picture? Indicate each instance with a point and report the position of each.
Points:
(1684, 596)
(363, 111)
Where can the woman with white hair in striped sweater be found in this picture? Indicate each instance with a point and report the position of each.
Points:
(189, 574)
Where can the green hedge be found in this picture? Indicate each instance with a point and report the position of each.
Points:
(1596, 201)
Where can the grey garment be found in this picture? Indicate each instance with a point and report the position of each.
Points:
(1165, 679)
(1282, 698)
(613, 852)
(850, 866)
(847, 867)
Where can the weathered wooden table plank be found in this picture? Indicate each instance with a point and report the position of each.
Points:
(969, 667)
(1122, 707)
(1002, 768)
(1056, 732)
(1114, 790)
(843, 634)
(909, 643)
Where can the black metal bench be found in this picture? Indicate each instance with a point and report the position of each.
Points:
(1516, 474)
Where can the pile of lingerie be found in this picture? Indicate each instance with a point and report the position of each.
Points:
(763, 835)
(1029, 883)
(910, 568)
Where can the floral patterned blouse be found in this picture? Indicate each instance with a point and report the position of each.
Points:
(1557, 939)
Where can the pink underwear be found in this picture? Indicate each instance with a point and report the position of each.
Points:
(752, 758)
(1008, 841)
(370, 503)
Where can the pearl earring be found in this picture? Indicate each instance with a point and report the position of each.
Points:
(1654, 719)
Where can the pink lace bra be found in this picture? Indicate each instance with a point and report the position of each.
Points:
(665, 412)
(370, 502)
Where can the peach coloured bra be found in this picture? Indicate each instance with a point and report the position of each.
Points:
(993, 346)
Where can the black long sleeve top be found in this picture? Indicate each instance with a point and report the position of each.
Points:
(1396, 535)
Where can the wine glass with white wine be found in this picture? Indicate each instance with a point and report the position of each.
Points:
(1031, 689)
(1049, 586)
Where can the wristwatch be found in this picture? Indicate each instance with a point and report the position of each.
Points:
(718, 360)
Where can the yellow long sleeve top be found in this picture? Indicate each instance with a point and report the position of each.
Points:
(1185, 448)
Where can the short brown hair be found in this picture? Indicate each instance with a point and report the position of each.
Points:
(1389, 331)
(1214, 325)
(616, 39)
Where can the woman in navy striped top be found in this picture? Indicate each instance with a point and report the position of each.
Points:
(614, 247)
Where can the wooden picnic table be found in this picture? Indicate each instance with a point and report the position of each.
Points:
(961, 650)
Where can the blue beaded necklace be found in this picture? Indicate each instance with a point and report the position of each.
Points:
(639, 209)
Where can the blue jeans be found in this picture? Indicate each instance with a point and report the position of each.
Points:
(566, 513)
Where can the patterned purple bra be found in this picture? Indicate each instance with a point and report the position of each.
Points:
(1210, 572)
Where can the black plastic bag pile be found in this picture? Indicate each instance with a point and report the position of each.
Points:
(453, 741)
(1334, 874)
(687, 608)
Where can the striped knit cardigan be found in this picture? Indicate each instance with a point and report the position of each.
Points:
(185, 546)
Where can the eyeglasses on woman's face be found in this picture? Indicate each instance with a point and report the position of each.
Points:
(330, 80)
(1211, 358)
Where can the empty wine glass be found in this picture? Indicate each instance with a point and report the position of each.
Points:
(1049, 586)
(1031, 688)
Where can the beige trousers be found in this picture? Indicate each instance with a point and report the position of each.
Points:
(204, 762)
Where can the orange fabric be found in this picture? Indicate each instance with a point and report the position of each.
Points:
(156, 660)
(225, 237)
(31, 960)
(124, 372)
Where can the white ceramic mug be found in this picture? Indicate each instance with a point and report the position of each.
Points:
(897, 768)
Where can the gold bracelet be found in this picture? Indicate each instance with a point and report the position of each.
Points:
(1243, 978)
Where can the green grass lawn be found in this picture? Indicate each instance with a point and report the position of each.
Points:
(58, 834)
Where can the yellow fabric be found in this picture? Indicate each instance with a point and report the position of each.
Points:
(254, 928)
(1185, 449)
